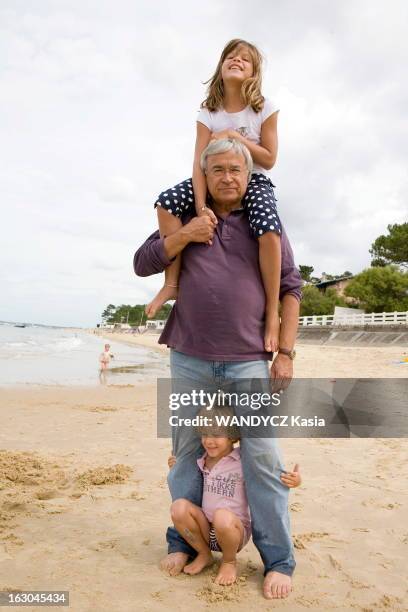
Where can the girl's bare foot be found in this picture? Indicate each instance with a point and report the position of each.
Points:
(174, 563)
(227, 573)
(201, 561)
(166, 293)
(271, 338)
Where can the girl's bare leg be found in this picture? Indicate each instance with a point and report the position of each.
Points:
(229, 531)
(270, 266)
(168, 224)
(191, 523)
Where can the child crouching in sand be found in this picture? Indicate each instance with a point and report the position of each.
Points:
(223, 523)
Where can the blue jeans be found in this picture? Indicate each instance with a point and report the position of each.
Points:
(261, 461)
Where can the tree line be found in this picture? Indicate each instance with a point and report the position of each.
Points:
(381, 288)
(133, 315)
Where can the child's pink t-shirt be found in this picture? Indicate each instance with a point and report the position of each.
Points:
(224, 487)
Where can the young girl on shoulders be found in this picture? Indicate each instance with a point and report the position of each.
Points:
(234, 109)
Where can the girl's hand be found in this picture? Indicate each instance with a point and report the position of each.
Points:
(292, 479)
(205, 210)
(224, 134)
(171, 461)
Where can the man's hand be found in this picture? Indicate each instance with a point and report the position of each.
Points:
(206, 210)
(199, 229)
(281, 372)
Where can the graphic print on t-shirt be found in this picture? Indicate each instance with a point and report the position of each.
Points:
(244, 131)
(220, 485)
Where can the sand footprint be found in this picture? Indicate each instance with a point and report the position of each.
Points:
(44, 494)
(300, 540)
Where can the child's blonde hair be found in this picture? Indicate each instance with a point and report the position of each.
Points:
(251, 88)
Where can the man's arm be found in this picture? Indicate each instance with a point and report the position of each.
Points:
(157, 253)
(282, 367)
(290, 296)
(151, 258)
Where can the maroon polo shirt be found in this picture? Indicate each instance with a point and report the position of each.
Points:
(219, 314)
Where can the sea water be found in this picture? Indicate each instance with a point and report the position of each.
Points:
(41, 355)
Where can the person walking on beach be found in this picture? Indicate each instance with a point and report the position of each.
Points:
(216, 335)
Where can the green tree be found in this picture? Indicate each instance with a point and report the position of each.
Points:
(391, 248)
(305, 272)
(380, 289)
(134, 315)
(314, 302)
(108, 313)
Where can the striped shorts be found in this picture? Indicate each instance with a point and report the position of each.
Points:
(213, 542)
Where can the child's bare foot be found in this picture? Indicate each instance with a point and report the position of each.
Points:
(174, 563)
(272, 325)
(166, 293)
(227, 573)
(201, 561)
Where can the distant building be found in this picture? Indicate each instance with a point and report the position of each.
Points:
(155, 324)
(338, 284)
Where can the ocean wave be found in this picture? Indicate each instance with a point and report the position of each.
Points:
(40, 346)
(65, 344)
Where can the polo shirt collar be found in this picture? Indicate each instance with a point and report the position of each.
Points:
(234, 454)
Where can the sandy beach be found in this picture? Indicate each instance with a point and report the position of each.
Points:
(84, 502)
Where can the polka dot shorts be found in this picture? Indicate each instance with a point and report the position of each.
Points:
(259, 202)
(178, 199)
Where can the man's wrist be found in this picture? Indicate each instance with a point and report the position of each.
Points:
(286, 352)
(184, 235)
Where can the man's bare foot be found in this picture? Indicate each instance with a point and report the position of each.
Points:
(166, 293)
(174, 563)
(276, 585)
(271, 336)
(227, 573)
(201, 561)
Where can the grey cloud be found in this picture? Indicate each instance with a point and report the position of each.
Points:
(98, 116)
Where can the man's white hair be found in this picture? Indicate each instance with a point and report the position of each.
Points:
(223, 146)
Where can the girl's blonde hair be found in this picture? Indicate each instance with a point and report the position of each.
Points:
(251, 88)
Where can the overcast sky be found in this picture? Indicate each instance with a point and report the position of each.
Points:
(98, 100)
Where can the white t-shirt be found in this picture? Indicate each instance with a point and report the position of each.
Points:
(247, 122)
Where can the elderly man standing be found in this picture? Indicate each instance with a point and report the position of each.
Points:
(215, 333)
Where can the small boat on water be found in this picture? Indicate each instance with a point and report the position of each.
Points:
(20, 325)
